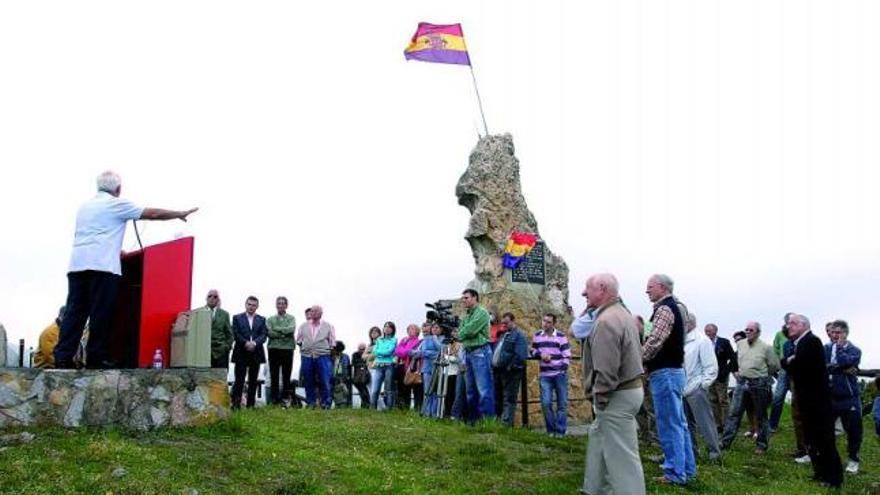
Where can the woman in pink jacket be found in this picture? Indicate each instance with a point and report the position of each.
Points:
(408, 395)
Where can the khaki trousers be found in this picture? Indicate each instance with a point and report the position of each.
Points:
(720, 403)
(613, 465)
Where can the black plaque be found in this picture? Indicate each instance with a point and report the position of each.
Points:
(531, 269)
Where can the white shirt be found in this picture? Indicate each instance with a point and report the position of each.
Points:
(100, 227)
(700, 363)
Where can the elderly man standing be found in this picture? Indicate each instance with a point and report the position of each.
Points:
(221, 331)
(316, 338)
(843, 359)
(95, 270)
(663, 355)
(701, 369)
(807, 371)
(757, 365)
(613, 378)
(727, 364)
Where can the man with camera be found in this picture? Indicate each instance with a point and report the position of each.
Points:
(474, 336)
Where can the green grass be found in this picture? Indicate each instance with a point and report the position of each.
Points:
(284, 452)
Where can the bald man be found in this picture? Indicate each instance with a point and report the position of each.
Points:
(221, 331)
(316, 338)
(613, 379)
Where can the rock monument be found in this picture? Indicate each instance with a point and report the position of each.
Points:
(490, 189)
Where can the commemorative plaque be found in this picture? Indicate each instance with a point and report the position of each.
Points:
(531, 269)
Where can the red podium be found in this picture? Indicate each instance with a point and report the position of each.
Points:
(156, 285)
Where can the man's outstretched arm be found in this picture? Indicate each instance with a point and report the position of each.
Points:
(162, 214)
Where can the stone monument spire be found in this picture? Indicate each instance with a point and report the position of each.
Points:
(491, 191)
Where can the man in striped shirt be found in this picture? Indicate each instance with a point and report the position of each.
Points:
(551, 347)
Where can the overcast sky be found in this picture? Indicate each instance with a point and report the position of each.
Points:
(730, 144)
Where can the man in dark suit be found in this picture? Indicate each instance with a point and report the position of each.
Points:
(806, 368)
(727, 364)
(250, 332)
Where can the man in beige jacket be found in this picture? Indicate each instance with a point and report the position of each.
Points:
(613, 375)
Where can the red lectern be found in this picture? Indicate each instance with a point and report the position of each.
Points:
(156, 285)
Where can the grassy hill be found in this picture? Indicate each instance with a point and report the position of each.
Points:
(274, 451)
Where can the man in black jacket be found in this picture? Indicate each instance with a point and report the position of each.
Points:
(726, 365)
(508, 361)
(250, 332)
(806, 368)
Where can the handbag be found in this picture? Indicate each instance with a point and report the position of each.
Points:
(361, 375)
(412, 375)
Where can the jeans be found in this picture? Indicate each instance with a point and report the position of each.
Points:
(667, 385)
(758, 390)
(280, 364)
(379, 375)
(429, 398)
(317, 369)
(480, 389)
(460, 409)
(779, 393)
(510, 380)
(555, 422)
(91, 295)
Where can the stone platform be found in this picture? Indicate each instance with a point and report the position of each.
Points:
(139, 399)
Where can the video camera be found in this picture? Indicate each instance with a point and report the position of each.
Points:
(441, 313)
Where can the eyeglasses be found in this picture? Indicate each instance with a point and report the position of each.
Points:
(213, 297)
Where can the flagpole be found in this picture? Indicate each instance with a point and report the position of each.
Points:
(479, 100)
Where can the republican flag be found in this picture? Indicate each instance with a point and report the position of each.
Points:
(439, 43)
(518, 246)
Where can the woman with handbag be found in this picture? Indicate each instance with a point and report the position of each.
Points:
(361, 372)
(409, 385)
(383, 366)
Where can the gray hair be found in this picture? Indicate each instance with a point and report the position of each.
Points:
(109, 181)
(607, 280)
(665, 281)
(801, 318)
(692, 318)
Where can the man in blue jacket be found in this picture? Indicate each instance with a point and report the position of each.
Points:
(843, 359)
(508, 362)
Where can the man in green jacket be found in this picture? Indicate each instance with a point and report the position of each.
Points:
(281, 344)
(474, 336)
(221, 331)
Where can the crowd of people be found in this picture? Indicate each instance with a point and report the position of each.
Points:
(658, 377)
(663, 372)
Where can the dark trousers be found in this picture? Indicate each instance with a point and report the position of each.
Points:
(851, 418)
(509, 381)
(364, 393)
(251, 367)
(91, 295)
(758, 391)
(280, 365)
(408, 396)
(451, 389)
(819, 436)
(221, 361)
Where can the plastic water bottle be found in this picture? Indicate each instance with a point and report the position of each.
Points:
(157, 359)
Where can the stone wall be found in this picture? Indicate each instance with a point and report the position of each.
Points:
(139, 399)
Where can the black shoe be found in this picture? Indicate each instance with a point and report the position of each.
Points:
(65, 364)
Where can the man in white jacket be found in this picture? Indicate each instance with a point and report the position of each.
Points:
(701, 369)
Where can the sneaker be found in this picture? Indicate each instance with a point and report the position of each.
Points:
(747, 434)
(852, 467)
(804, 459)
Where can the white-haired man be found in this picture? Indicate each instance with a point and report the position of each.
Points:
(663, 355)
(613, 378)
(95, 270)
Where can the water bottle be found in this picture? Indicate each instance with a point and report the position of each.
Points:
(157, 359)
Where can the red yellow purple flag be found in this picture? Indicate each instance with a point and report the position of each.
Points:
(439, 43)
